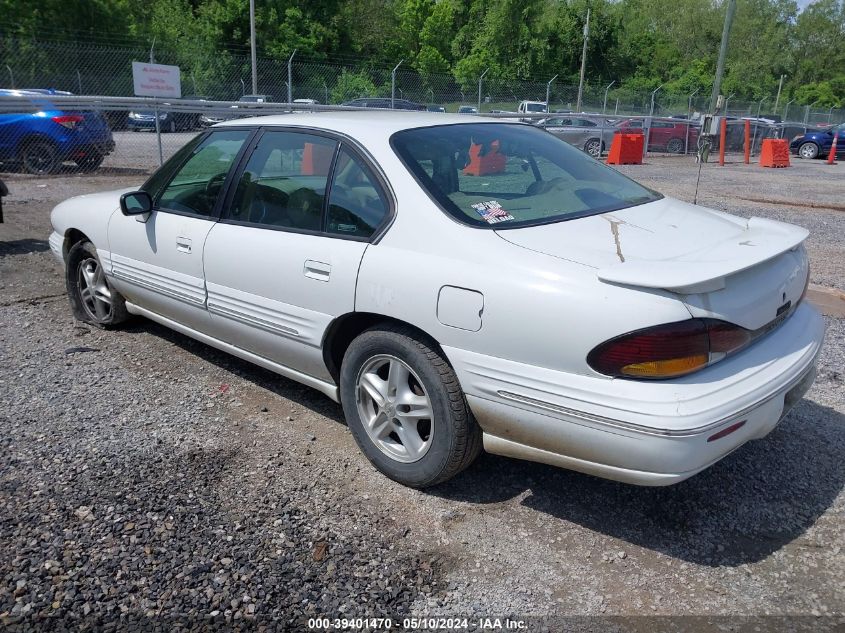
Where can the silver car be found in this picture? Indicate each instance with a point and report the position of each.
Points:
(590, 135)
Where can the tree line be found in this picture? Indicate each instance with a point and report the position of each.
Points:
(640, 44)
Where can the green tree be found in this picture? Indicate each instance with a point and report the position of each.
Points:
(352, 85)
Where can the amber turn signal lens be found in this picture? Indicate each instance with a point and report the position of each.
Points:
(666, 368)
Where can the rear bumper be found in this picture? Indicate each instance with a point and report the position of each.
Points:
(647, 433)
(82, 149)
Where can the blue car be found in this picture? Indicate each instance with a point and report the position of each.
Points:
(40, 140)
(817, 143)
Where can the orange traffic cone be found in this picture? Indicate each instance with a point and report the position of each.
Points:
(831, 158)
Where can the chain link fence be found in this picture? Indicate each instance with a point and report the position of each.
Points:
(120, 132)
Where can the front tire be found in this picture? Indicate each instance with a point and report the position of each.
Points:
(405, 407)
(92, 299)
(808, 150)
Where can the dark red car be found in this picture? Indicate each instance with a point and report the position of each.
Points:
(665, 135)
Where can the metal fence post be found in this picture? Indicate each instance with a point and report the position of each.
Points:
(689, 117)
(480, 79)
(11, 76)
(548, 92)
(393, 85)
(647, 129)
(727, 101)
(158, 137)
(290, 76)
(786, 109)
(604, 103)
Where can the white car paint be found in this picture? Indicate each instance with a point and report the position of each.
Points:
(515, 311)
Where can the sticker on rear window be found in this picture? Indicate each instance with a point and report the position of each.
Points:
(492, 212)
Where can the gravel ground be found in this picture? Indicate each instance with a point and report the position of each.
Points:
(145, 475)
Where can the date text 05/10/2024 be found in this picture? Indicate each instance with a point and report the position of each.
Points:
(416, 624)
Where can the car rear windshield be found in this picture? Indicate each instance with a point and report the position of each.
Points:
(502, 175)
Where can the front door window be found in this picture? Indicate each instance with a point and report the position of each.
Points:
(196, 185)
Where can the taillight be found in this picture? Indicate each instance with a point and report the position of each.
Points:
(69, 121)
(669, 350)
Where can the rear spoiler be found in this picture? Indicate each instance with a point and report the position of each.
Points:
(705, 270)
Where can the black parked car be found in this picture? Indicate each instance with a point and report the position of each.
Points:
(379, 102)
(169, 121)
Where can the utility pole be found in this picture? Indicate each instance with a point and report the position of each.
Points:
(723, 51)
(704, 149)
(777, 99)
(252, 47)
(584, 62)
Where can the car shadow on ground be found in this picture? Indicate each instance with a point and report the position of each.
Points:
(757, 500)
(265, 379)
(23, 247)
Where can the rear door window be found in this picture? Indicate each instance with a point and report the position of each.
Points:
(357, 203)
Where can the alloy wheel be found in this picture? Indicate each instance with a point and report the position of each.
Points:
(395, 409)
(808, 150)
(93, 290)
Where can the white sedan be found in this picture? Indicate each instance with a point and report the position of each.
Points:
(457, 284)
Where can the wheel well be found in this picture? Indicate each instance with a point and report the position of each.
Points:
(344, 329)
(73, 237)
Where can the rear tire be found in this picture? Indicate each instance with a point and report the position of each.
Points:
(39, 157)
(808, 150)
(92, 299)
(413, 425)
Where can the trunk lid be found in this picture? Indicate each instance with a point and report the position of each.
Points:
(721, 266)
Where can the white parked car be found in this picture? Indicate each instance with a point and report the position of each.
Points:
(455, 283)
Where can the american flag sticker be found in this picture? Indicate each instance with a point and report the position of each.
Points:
(492, 212)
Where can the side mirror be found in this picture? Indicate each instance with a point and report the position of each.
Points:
(136, 203)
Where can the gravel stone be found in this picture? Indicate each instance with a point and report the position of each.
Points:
(132, 486)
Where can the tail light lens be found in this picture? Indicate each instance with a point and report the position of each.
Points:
(69, 121)
(669, 350)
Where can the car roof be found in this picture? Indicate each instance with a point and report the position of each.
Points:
(361, 123)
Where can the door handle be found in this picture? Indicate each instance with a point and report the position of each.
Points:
(317, 270)
(183, 244)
